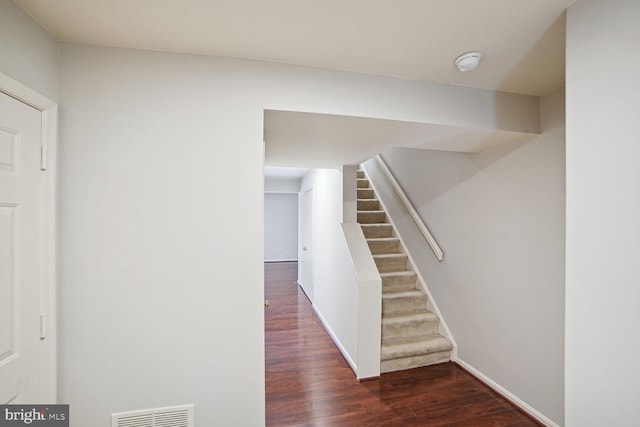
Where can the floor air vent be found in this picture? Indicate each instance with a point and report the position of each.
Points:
(174, 416)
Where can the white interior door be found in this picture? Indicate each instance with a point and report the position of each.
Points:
(305, 276)
(22, 250)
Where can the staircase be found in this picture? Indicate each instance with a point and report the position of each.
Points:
(410, 335)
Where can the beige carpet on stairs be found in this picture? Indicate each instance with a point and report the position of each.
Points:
(410, 337)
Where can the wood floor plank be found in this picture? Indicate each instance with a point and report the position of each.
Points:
(309, 384)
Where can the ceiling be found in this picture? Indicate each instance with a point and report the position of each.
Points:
(522, 42)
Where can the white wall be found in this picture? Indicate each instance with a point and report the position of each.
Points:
(160, 298)
(27, 52)
(335, 291)
(603, 211)
(280, 226)
(499, 218)
(161, 293)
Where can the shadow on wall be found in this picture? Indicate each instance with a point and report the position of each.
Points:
(450, 168)
(526, 172)
(542, 67)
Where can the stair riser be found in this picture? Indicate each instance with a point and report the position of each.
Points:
(403, 305)
(363, 183)
(365, 194)
(398, 283)
(403, 287)
(410, 329)
(377, 231)
(368, 205)
(384, 247)
(414, 362)
(360, 174)
(388, 265)
(371, 217)
(433, 345)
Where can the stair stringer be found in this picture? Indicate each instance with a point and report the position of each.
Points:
(432, 306)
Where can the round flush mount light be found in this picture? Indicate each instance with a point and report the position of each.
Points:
(468, 61)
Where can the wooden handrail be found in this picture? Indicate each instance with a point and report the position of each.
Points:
(412, 211)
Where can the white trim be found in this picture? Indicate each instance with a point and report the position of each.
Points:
(19, 91)
(281, 260)
(49, 136)
(405, 200)
(506, 394)
(336, 341)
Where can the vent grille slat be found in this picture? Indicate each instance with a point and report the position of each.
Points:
(175, 416)
(136, 421)
(172, 419)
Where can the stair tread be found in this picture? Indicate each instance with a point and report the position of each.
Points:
(397, 273)
(383, 239)
(401, 317)
(371, 211)
(416, 341)
(404, 294)
(394, 255)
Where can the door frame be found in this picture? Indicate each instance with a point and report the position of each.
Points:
(49, 139)
(301, 226)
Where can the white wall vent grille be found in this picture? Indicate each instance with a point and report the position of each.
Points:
(174, 416)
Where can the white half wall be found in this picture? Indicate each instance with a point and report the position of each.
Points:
(28, 53)
(280, 226)
(335, 288)
(603, 214)
(499, 218)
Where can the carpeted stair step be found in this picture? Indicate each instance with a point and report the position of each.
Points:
(408, 347)
(365, 193)
(404, 363)
(368, 205)
(387, 263)
(362, 183)
(371, 217)
(374, 231)
(398, 281)
(360, 173)
(412, 353)
(408, 302)
(416, 325)
(384, 245)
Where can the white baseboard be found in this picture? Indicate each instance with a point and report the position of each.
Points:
(506, 393)
(336, 341)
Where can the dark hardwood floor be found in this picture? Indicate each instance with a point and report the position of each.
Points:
(308, 383)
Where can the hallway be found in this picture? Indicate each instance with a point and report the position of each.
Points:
(308, 383)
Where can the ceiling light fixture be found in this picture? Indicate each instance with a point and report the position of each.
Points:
(468, 61)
